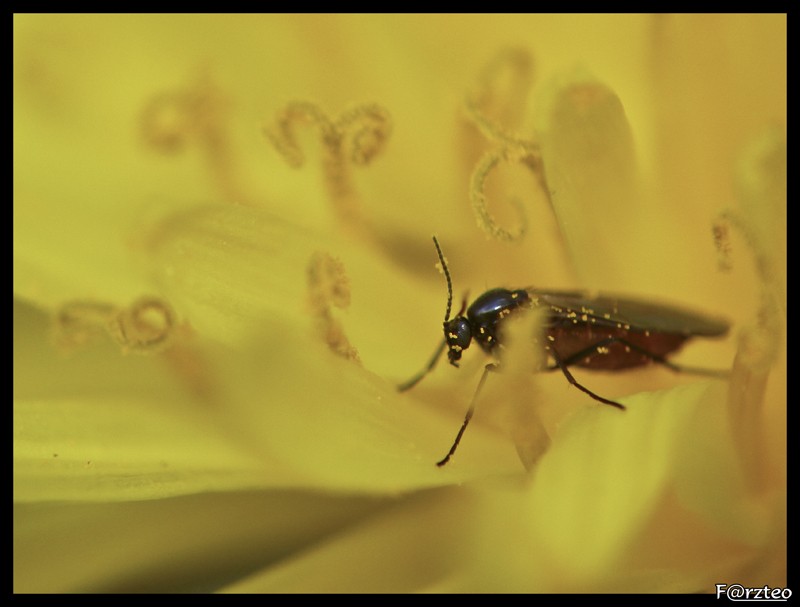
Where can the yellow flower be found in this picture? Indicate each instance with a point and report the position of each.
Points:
(223, 269)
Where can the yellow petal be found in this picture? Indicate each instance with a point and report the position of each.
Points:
(409, 548)
(193, 543)
(102, 426)
(592, 174)
(337, 426)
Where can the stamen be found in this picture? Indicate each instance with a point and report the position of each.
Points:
(328, 286)
(80, 323)
(196, 115)
(502, 91)
(355, 138)
(145, 327)
(762, 222)
(501, 94)
(480, 206)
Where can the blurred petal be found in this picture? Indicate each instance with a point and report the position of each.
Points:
(613, 507)
(410, 548)
(102, 426)
(83, 449)
(194, 543)
(592, 175)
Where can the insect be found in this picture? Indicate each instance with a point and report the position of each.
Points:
(599, 332)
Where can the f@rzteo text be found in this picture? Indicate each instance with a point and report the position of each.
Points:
(737, 592)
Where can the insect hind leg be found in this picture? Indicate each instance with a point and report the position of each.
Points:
(563, 364)
(592, 351)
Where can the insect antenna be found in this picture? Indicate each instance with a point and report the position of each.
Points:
(447, 276)
(407, 385)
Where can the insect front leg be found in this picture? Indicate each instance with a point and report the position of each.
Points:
(470, 411)
(407, 385)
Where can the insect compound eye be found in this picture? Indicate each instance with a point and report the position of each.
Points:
(458, 335)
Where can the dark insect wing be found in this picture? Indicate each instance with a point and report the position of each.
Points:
(615, 311)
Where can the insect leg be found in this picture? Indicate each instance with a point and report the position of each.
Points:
(407, 385)
(671, 365)
(571, 379)
(592, 351)
(470, 411)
